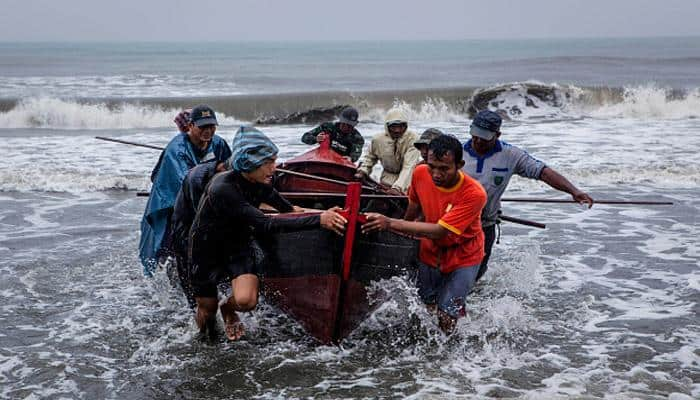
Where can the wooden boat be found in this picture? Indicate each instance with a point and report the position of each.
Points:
(310, 178)
(322, 279)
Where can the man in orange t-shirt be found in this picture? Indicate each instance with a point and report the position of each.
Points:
(453, 241)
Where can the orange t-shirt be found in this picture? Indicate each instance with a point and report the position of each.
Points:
(458, 209)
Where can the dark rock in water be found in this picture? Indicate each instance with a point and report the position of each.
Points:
(491, 98)
(312, 116)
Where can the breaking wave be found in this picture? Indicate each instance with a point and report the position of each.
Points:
(69, 181)
(520, 101)
(55, 113)
(644, 102)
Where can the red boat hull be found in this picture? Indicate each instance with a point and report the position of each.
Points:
(319, 278)
(303, 277)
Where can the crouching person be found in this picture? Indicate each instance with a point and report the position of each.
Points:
(452, 243)
(222, 241)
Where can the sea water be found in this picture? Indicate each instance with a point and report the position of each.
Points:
(605, 302)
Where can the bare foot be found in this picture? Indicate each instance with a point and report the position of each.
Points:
(233, 326)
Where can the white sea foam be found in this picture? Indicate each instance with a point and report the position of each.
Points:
(429, 110)
(49, 112)
(651, 102)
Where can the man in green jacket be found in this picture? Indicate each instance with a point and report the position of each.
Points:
(345, 139)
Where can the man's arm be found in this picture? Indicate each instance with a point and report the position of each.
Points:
(412, 211)
(278, 202)
(410, 159)
(369, 160)
(557, 181)
(310, 136)
(379, 222)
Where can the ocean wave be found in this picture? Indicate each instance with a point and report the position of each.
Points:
(56, 113)
(428, 110)
(519, 101)
(61, 181)
(650, 101)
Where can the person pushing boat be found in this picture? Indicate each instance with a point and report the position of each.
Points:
(394, 149)
(185, 209)
(198, 144)
(492, 162)
(423, 141)
(452, 243)
(222, 240)
(344, 138)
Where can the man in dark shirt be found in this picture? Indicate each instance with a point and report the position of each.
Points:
(222, 242)
(180, 222)
(345, 139)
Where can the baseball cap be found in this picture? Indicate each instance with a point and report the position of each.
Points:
(427, 136)
(349, 116)
(203, 115)
(485, 125)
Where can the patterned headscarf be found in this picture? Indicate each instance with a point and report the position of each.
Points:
(250, 149)
(182, 120)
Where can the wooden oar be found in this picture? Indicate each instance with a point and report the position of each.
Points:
(319, 178)
(286, 171)
(619, 202)
(149, 146)
(303, 195)
(522, 221)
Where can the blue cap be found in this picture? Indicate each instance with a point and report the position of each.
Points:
(485, 125)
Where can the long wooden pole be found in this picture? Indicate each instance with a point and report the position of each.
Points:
(619, 202)
(319, 178)
(380, 196)
(522, 221)
(506, 199)
(286, 171)
(149, 146)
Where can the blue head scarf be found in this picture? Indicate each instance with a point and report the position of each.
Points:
(250, 149)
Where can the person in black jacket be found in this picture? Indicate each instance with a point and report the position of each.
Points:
(222, 241)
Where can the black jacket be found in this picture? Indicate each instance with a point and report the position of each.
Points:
(228, 216)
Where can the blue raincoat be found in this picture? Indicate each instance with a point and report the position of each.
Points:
(177, 158)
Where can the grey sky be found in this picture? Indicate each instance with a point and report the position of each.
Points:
(233, 20)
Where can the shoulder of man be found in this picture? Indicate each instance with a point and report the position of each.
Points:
(421, 174)
(410, 136)
(407, 140)
(508, 148)
(329, 126)
(216, 139)
(472, 185)
(177, 142)
(357, 135)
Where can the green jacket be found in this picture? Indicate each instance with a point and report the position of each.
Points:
(346, 145)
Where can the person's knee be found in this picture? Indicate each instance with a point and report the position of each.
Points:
(246, 300)
(245, 292)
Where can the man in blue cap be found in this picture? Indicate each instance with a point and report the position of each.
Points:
(345, 139)
(492, 162)
(196, 145)
(222, 239)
